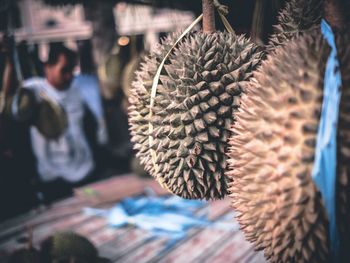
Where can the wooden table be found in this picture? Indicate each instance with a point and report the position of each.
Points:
(131, 244)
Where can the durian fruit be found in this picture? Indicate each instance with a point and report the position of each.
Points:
(198, 92)
(129, 73)
(137, 168)
(139, 100)
(51, 119)
(48, 116)
(271, 154)
(343, 142)
(66, 247)
(110, 73)
(26, 103)
(295, 18)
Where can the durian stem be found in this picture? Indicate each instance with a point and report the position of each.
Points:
(208, 16)
(334, 13)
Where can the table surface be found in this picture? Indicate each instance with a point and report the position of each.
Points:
(130, 244)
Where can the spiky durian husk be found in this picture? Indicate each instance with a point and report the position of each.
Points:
(343, 142)
(198, 92)
(297, 16)
(129, 73)
(68, 245)
(139, 100)
(272, 151)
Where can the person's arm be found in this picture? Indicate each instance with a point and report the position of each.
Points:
(16, 102)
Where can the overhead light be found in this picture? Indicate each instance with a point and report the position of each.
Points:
(123, 41)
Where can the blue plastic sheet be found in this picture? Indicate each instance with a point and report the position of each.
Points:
(162, 216)
(169, 217)
(324, 170)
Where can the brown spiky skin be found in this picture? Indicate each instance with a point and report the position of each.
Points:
(343, 142)
(139, 100)
(271, 155)
(297, 17)
(198, 92)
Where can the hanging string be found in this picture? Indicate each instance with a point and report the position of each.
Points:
(257, 29)
(153, 95)
(223, 11)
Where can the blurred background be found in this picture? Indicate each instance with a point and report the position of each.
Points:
(108, 39)
(83, 56)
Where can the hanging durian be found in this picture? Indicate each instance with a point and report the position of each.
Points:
(137, 168)
(129, 74)
(297, 16)
(199, 90)
(68, 247)
(140, 96)
(110, 73)
(26, 105)
(272, 154)
(47, 116)
(51, 120)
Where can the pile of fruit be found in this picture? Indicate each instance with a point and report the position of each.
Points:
(232, 118)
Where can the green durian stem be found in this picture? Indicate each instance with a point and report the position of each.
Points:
(208, 16)
(334, 13)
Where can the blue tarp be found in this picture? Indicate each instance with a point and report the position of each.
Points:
(169, 216)
(324, 170)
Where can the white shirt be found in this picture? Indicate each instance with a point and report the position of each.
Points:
(90, 89)
(68, 157)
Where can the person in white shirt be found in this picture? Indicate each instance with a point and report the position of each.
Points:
(68, 161)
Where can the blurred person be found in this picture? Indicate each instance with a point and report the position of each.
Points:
(89, 86)
(112, 124)
(68, 161)
(120, 146)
